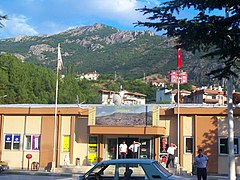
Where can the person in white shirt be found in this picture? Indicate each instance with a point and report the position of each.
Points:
(171, 156)
(201, 162)
(123, 150)
(134, 148)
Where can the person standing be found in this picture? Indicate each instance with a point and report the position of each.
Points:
(201, 162)
(134, 148)
(171, 156)
(123, 150)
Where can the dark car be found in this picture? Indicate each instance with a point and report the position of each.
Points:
(4, 166)
(1, 169)
(128, 169)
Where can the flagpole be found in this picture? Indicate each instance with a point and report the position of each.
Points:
(59, 66)
(179, 64)
(178, 116)
(55, 125)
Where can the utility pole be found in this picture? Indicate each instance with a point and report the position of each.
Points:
(231, 156)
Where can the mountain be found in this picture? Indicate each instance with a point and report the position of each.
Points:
(130, 54)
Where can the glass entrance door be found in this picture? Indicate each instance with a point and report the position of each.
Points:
(112, 148)
(145, 149)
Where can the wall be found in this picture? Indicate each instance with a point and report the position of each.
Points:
(187, 131)
(65, 131)
(14, 125)
(206, 138)
(81, 141)
(23, 125)
(223, 132)
(47, 141)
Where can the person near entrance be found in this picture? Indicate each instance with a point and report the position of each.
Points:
(123, 150)
(171, 156)
(201, 162)
(134, 148)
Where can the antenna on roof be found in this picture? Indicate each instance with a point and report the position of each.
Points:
(117, 99)
(77, 100)
(121, 87)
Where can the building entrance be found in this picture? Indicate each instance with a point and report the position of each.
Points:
(146, 149)
(128, 141)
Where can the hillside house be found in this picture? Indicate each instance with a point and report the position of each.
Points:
(158, 83)
(122, 97)
(166, 95)
(207, 96)
(91, 76)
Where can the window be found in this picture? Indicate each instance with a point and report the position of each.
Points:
(92, 149)
(66, 143)
(12, 141)
(164, 141)
(223, 146)
(188, 145)
(32, 142)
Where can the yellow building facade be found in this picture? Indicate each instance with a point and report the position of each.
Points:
(92, 133)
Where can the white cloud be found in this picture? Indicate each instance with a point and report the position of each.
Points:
(121, 11)
(116, 6)
(51, 16)
(17, 26)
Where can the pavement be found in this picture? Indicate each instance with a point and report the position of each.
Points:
(67, 174)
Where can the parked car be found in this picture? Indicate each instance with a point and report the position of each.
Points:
(122, 169)
(1, 169)
(4, 165)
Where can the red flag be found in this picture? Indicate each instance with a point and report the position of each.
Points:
(179, 58)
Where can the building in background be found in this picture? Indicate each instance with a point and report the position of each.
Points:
(168, 95)
(207, 95)
(122, 97)
(91, 76)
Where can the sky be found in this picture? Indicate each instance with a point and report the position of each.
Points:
(39, 17)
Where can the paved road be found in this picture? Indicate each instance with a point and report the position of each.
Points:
(28, 177)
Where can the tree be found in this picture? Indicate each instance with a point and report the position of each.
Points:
(2, 18)
(216, 35)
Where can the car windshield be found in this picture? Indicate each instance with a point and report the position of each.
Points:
(162, 169)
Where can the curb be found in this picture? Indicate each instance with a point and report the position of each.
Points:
(37, 173)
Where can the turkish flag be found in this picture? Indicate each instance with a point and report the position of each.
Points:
(179, 58)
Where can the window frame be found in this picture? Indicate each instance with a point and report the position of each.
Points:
(13, 142)
(226, 154)
(63, 143)
(185, 141)
(31, 145)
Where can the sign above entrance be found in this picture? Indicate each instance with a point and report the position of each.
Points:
(137, 115)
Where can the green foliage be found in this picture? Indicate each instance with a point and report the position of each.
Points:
(163, 102)
(216, 35)
(25, 83)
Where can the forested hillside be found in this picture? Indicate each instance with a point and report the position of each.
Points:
(129, 54)
(22, 82)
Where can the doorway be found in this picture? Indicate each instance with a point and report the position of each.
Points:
(146, 149)
(128, 141)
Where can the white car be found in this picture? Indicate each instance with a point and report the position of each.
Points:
(128, 169)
